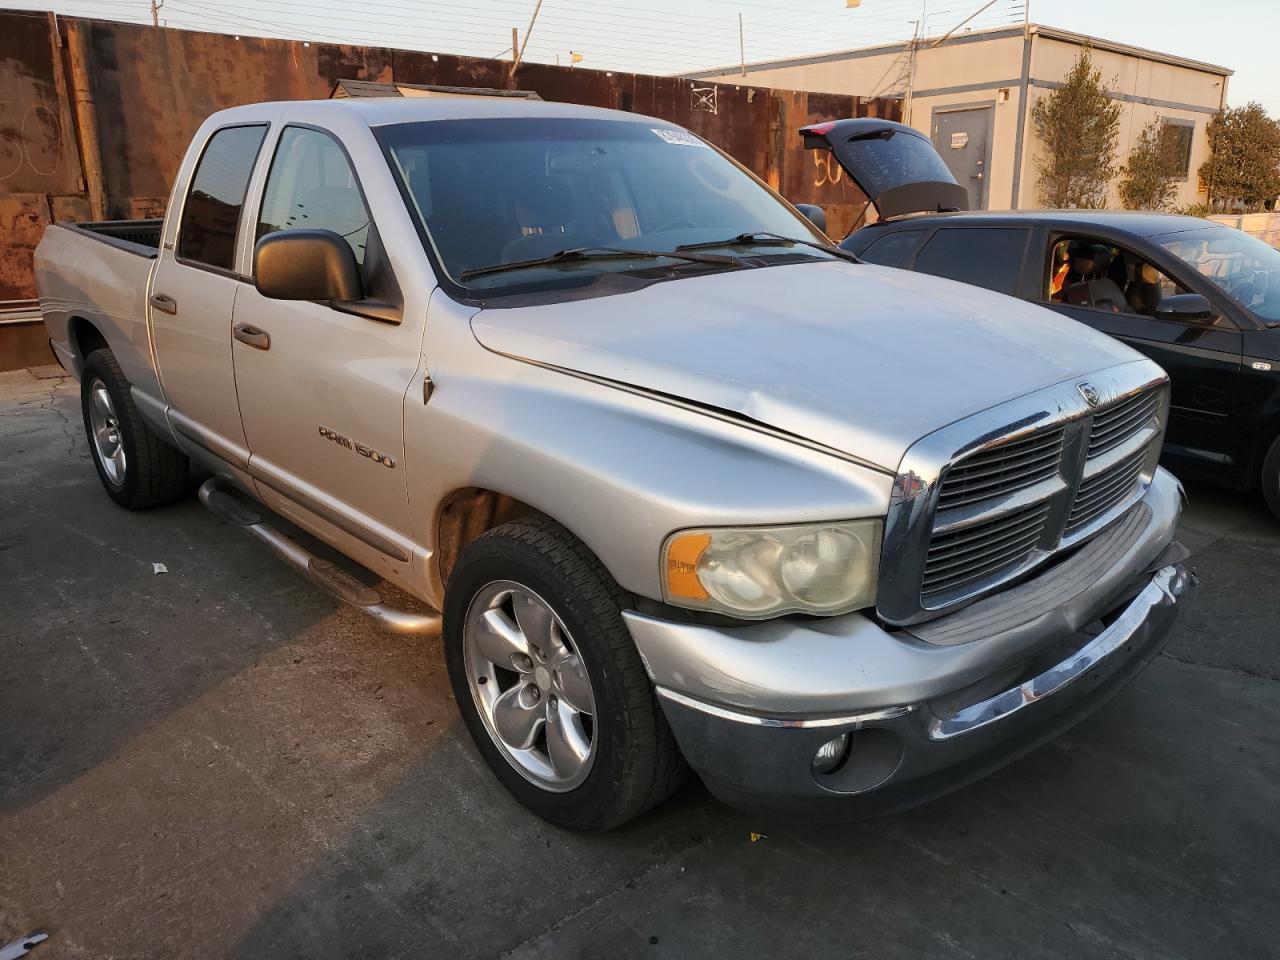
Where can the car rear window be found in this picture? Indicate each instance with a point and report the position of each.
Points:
(892, 249)
(988, 257)
(207, 234)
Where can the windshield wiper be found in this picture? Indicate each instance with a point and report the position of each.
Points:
(576, 254)
(764, 239)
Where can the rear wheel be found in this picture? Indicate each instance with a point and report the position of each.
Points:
(136, 467)
(549, 681)
(1271, 478)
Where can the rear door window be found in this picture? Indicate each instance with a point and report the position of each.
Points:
(892, 250)
(207, 234)
(988, 257)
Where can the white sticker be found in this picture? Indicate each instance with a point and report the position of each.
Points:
(679, 138)
(959, 140)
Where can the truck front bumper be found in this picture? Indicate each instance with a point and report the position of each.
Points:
(917, 712)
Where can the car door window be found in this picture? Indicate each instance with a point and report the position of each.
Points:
(892, 250)
(988, 257)
(207, 233)
(311, 186)
(1090, 272)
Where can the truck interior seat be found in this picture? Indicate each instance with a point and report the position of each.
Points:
(1143, 292)
(1095, 288)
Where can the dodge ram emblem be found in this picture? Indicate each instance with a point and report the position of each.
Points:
(1089, 392)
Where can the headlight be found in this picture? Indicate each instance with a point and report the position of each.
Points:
(758, 572)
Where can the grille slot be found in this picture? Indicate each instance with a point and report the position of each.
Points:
(1001, 470)
(1115, 425)
(983, 550)
(1100, 493)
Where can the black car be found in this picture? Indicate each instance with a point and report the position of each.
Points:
(1199, 298)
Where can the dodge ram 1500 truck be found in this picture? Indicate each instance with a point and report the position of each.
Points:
(687, 487)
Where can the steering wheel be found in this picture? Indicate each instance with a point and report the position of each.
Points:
(675, 225)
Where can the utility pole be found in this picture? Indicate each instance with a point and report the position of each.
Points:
(155, 12)
(742, 47)
(519, 55)
(911, 73)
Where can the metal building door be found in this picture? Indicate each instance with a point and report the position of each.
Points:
(963, 137)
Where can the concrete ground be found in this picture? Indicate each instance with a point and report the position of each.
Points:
(222, 761)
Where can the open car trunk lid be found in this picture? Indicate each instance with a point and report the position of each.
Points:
(895, 166)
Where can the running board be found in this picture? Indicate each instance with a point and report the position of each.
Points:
(233, 507)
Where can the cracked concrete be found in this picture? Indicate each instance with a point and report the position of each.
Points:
(222, 761)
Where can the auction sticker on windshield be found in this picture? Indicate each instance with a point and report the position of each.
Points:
(681, 138)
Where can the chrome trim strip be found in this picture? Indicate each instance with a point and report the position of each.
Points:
(790, 723)
(1165, 590)
(201, 436)
(273, 479)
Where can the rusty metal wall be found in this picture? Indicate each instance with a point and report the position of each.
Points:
(148, 89)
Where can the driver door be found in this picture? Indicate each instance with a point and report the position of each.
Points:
(1118, 293)
(322, 391)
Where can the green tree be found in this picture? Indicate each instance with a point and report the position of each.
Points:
(1243, 169)
(1149, 180)
(1077, 125)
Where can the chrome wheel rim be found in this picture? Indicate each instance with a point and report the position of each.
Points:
(530, 686)
(108, 445)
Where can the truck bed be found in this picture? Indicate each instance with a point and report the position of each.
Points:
(137, 236)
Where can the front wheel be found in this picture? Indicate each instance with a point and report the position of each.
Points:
(549, 681)
(136, 467)
(1271, 478)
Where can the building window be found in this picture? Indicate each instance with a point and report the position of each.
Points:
(1177, 134)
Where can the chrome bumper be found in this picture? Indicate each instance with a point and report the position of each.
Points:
(751, 705)
(1153, 608)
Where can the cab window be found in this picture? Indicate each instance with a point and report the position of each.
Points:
(207, 233)
(1087, 272)
(988, 257)
(311, 186)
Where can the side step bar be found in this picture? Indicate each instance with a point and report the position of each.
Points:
(233, 507)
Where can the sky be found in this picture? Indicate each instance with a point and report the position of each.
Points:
(670, 36)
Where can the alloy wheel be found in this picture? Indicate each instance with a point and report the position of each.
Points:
(530, 685)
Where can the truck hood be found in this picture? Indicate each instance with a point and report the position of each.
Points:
(859, 358)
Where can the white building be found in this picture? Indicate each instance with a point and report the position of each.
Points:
(973, 94)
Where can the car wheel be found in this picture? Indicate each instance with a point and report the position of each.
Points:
(1271, 478)
(136, 467)
(549, 681)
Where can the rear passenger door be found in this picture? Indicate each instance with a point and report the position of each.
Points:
(1202, 358)
(193, 292)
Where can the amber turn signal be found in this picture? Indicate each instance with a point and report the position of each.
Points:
(682, 566)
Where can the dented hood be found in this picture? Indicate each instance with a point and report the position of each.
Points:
(859, 358)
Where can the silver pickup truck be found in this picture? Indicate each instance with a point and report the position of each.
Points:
(687, 487)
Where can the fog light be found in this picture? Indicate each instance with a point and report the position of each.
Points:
(831, 754)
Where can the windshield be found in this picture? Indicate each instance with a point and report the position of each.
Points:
(1247, 269)
(504, 191)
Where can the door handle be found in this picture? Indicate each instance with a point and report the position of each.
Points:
(247, 333)
(164, 303)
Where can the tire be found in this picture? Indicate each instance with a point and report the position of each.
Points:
(137, 468)
(633, 762)
(1270, 478)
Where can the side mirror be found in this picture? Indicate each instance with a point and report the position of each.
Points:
(306, 265)
(814, 214)
(1188, 307)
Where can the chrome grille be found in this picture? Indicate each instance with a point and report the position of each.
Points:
(1114, 426)
(1103, 491)
(974, 553)
(991, 497)
(1003, 469)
